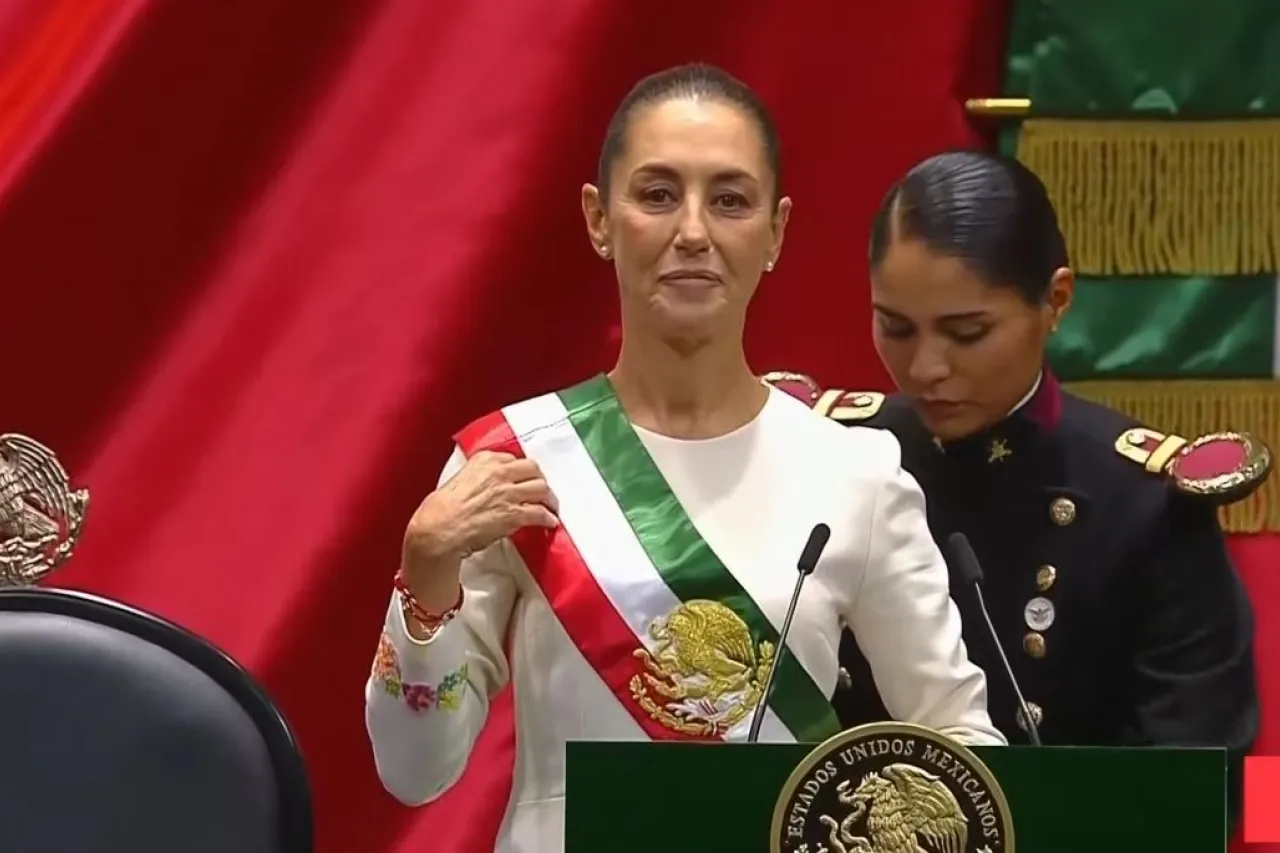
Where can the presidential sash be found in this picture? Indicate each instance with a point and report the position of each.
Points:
(644, 598)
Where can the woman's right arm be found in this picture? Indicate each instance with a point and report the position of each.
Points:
(426, 701)
(428, 695)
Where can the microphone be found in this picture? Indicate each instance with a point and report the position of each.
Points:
(967, 562)
(805, 565)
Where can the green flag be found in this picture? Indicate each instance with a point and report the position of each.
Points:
(1155, 125)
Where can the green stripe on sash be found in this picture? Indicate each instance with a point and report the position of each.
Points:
(682, 558)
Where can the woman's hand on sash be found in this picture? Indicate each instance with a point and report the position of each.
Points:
(489, 498)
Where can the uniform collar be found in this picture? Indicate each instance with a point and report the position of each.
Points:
(1043, 406)
(1010, 442)
(1026, 398)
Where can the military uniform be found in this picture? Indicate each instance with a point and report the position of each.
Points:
(1106, 574)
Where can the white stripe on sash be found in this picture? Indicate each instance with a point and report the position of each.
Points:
(603, 536)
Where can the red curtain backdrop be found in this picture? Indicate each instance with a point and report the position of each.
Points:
(261, 257)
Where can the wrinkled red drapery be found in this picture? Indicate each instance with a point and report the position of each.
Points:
(265, 255)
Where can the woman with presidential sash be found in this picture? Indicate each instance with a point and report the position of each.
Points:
(624, 550)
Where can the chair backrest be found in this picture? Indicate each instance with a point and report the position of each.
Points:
(123, 733)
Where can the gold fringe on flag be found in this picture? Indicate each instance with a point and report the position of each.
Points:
(1191, 408)
(1158, 197)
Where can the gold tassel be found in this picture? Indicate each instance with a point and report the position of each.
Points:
(1157, 197)
(1191, 408)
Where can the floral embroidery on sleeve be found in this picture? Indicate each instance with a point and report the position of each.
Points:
(421, 698)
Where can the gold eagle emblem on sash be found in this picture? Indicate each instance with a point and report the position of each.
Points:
(704, 674)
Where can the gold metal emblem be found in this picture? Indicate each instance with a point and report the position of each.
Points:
(40, 514)
(1037, 716)
(1034, 645)
(1062, 511)
(1045, 577)
(891, 788)
(704, 669)
(999, 451)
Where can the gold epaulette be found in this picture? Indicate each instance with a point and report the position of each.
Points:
(1222, 467)
(835, 403)
(849, 406)
(798, 385)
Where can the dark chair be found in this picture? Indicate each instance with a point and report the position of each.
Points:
(123, 733)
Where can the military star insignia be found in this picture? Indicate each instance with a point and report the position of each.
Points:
(999, 451)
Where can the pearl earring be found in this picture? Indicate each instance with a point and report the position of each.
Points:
(768, 267)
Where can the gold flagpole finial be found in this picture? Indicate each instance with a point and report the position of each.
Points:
(998, 107)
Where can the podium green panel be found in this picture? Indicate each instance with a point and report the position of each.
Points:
(629, 797)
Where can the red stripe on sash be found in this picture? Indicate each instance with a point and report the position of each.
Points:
(585, 612)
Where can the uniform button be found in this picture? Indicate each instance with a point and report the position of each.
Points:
(1045, 577)
(1037, 716)
(1062, 511)
(1039, 614)
(1033, 644)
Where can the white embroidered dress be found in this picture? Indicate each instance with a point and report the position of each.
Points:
(649, 525)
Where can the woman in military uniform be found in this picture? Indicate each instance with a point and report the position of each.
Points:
(1105, 572)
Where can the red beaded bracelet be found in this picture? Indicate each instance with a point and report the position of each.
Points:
(428, 620)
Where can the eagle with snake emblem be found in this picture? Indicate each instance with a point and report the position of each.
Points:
(40, 514)
(705, 666)
(903, 806)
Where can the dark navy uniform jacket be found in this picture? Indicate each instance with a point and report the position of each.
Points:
(1110, 590)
